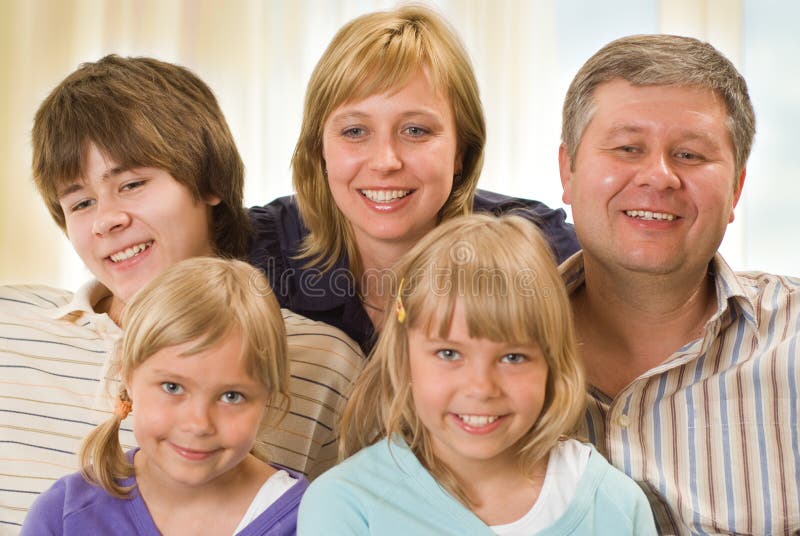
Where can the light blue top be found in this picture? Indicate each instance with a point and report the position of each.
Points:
(386, 491)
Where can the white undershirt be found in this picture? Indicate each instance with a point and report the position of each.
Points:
(565, 467)
(273, 488)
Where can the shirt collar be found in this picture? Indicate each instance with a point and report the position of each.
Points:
(729, 289)
(81, 306)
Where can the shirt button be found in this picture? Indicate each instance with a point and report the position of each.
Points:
(623, 421)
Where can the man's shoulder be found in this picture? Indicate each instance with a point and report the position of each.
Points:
(759, 282)
(759, 293)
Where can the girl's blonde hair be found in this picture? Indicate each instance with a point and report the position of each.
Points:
(503, 272)
(200, 300)
(369, 55)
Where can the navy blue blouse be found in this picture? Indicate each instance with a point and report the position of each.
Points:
(332, 296)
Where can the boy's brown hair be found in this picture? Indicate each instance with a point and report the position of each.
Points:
(142, 112)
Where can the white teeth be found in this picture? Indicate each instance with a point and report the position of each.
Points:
(130, 252)
(384, 196)
(650, 215)
(478, 420)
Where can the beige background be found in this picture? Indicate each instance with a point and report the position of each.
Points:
(258, 55)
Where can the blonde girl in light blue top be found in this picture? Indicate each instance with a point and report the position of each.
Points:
(458, 424)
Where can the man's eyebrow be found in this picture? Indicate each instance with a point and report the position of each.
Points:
(623, 129)
(78, 184)
(684, 134)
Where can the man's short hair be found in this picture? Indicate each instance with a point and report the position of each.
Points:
(142, 112)
(661, 60)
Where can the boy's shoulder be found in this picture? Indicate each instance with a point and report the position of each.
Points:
(30, 298)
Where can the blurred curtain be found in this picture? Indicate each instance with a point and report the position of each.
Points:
(257, 56)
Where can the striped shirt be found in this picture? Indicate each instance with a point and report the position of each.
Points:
(54, 353)
(711, 434)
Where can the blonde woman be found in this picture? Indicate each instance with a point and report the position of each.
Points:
(202, 364)
(458, 424)
(391, 145)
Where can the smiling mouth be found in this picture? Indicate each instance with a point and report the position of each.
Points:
(193, 454)
(650, 215)
(477, 421)
(384, 196)
(130, 252)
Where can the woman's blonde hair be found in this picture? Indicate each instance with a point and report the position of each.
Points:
(503, 273)
(372, 54)
(200, 300)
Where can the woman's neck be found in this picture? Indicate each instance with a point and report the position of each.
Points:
(378, 281)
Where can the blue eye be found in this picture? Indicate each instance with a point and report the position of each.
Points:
(232, 397)
(514, 359)
(416, 132)
(353, 132)
(447, 354)
(172, 388)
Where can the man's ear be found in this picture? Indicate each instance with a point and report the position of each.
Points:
(565, 170)
(737, 194)
(213, 200)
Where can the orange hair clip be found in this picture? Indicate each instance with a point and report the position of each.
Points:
(123, 408)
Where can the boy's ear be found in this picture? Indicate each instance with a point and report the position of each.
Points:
(213, 200)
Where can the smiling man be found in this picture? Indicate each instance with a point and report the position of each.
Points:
(136, 163)
(693, 367)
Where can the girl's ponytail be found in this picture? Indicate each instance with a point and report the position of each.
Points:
(102, 459)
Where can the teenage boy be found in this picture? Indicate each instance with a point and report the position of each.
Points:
(136, 164)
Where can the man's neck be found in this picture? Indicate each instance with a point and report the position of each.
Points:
(629, 323)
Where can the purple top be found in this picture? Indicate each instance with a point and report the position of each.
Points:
(73, 506)
(331, 296)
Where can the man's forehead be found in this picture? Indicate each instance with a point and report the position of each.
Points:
(689, 93)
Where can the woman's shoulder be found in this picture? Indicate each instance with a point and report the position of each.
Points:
(551, 221)
(499, 204)
(282, 210)
(276, 228)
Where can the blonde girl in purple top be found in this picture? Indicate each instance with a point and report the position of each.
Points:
(202, 364)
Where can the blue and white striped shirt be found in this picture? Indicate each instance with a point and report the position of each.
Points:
(711, 434)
